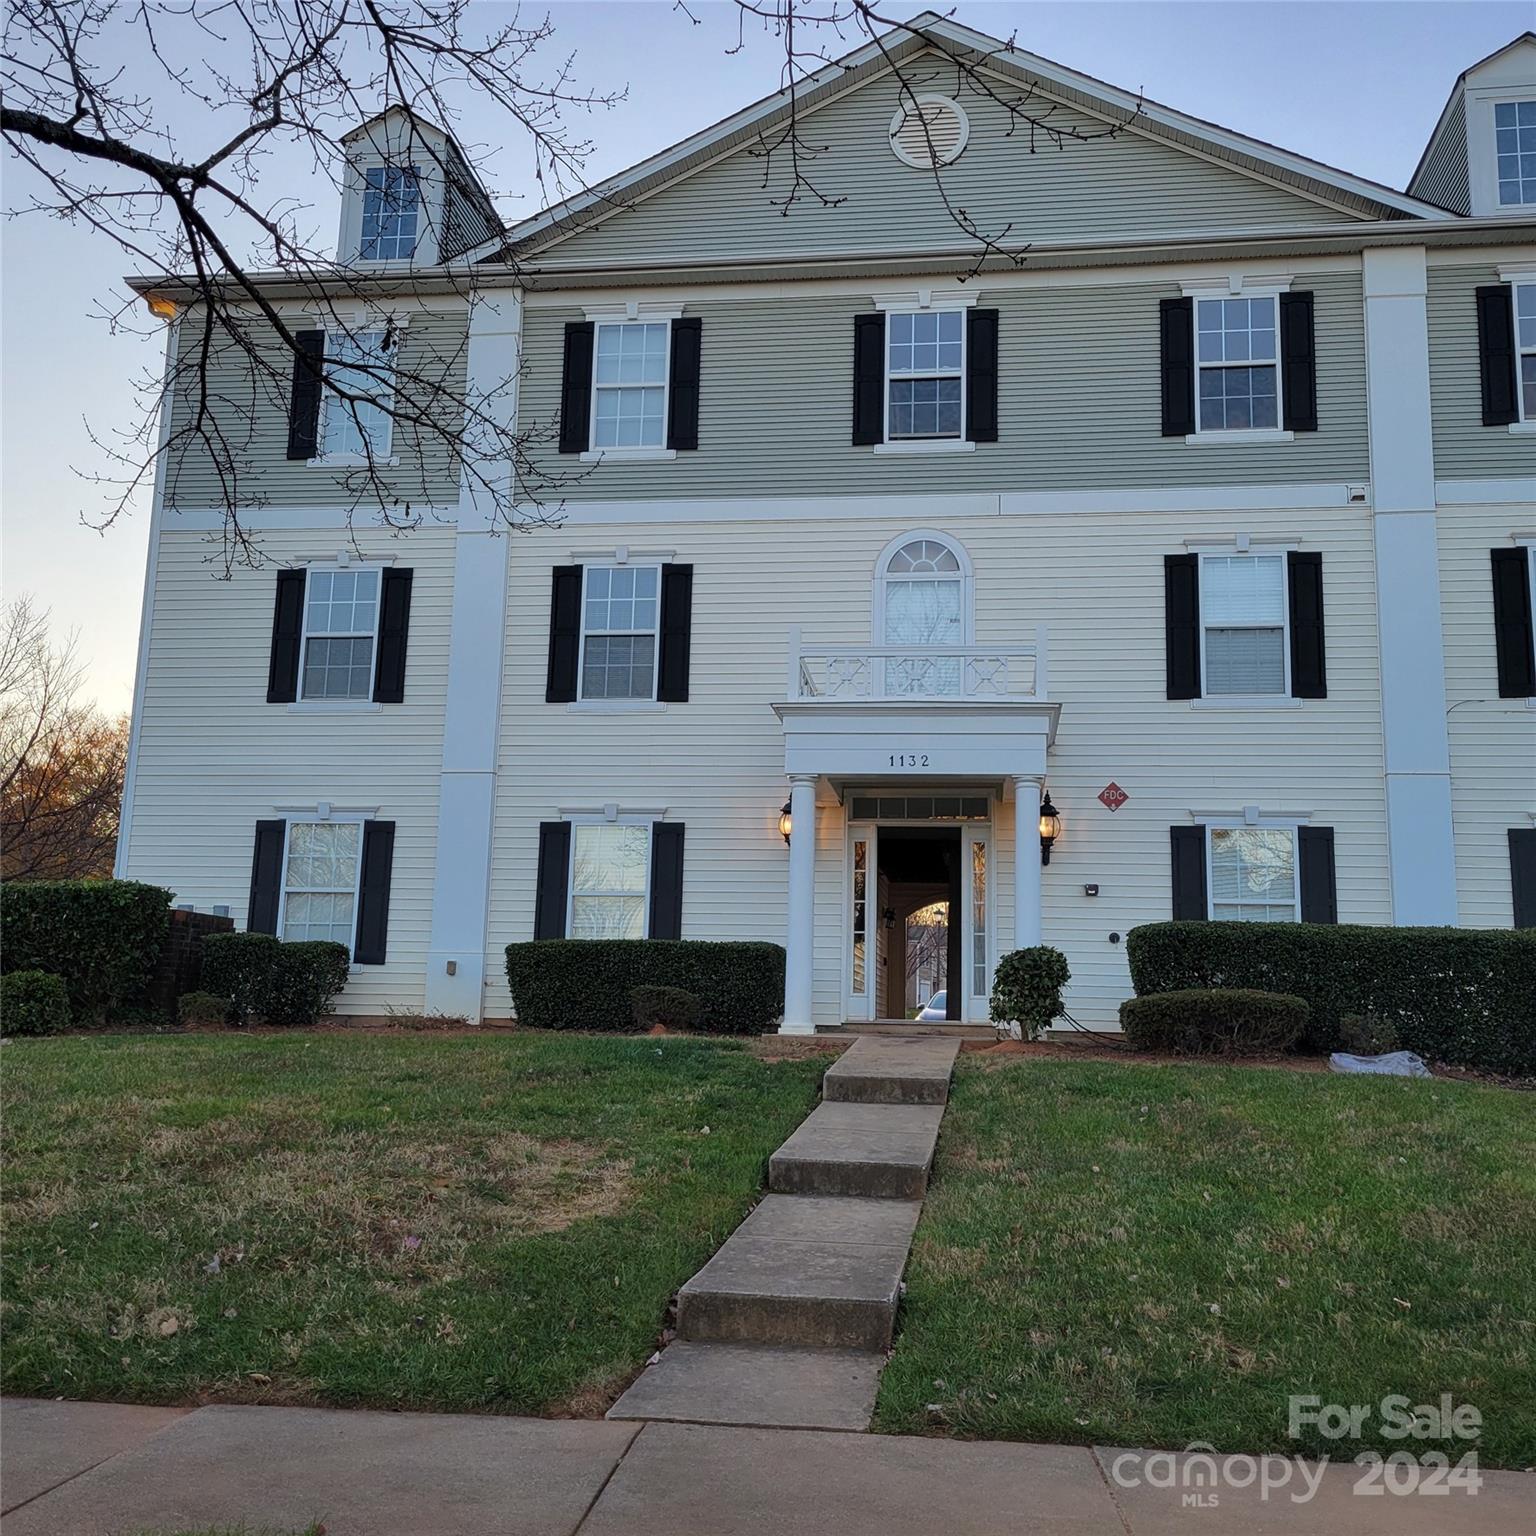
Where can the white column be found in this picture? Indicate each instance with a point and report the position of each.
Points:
(472, 702)
(800, 948)
(1026, 863)
(1420, 842)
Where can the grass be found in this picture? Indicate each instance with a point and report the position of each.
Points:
(467, 1223)
(1142, 1255)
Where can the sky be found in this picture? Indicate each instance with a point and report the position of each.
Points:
(1289, 73)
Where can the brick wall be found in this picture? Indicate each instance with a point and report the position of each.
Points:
(181, 960)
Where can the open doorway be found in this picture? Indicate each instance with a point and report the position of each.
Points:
(918, 910)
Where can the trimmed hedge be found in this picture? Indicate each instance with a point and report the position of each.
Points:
(667, 1007)
(588, 983)
(1221, 1021)
(102, 938)
(198, 1010)
(1465, 996)
(280, 983)
(1027, 987)
(33, 1003)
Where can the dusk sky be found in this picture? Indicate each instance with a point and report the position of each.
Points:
(1357, 85)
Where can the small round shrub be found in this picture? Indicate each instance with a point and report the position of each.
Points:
(1214, 1021)
(199, 1010)
(668, 1007)
(279, 983)
(1027, 988)
(33, 1003)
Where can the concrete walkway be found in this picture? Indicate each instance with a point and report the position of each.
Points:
(97, 1469)
(788, 1325)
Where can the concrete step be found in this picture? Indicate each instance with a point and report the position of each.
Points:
(804, 1272)
(880, 1070)
(754, 1384)
(873, 1151)
(911, 1031)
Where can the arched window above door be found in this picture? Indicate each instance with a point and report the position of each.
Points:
(923, 604)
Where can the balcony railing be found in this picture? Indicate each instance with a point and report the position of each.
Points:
(969, 673)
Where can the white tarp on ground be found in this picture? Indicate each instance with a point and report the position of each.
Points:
(1393, 1064)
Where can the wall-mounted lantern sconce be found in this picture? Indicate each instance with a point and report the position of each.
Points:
(786, 822)
(889, 917)
(1050, 827)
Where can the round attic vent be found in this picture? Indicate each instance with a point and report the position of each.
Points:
(933, 132)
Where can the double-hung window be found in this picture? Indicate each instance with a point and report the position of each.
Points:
(341, 621)
(610, 879)
(321, 864)
(1243, 607)
(1239, 376)
(620, 613)
(1253, 874)
(1524, 308)
(357, 423)
(1514, 136)
(629, 384)
(925, 374)
(391, 212)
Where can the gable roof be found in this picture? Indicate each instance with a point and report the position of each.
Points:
(1357, 195)
(1442, 122)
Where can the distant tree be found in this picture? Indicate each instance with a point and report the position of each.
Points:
(61, 762)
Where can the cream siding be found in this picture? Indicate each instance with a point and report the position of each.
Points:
(1016, 187)
(214, 757)
(247, 416)
(716, 763)
(1079, 401)
(1493, 740)
(1464, 448)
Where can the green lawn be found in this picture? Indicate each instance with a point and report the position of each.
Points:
(490, 1222)
(1133, 1255)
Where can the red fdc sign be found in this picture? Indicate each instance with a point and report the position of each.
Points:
(1113, 796)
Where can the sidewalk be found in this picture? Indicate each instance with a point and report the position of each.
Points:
(97, 1469)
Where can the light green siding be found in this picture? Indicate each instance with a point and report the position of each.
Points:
(1444, 179)
(1464, 448)
(247, 418)
(1079, 402)
(1120, 188)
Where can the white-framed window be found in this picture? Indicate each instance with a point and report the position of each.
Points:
(341, 625)
(924, 374)
(322, 865)
(620, 622)
(923, 603)
(1523, 304)
(629, 383)
(361, 363)
(1244, 625)
(1252, 874)
(610, 891)
(391, 212)
(1514, 142)
(1237, 359)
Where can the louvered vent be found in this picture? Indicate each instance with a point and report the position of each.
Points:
(931, 133)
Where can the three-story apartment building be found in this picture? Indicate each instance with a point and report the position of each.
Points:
(1183, 569)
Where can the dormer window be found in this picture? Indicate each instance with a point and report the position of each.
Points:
(1514, 133)
(391, 212)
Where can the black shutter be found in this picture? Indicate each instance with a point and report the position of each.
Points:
(287, 638)
(1178, 343)
(1189, 903)
(1298, 362)
(553, 881)
(564, 634)
(266, 876)
(676, 633)
(373, 892)
(1522, 875)
(1496, 354)
(1319, 897)
(304, 401)
(394, 629)
(666, 880)
(683, 390)
(868, 379)
(1513, 640)
(576, 388)
(1309, 662)
(1181, 617)
(981, 375)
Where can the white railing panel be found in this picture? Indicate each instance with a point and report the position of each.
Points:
(971, 673)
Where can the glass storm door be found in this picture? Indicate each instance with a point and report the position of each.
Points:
(861, 969)
(977, 878)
